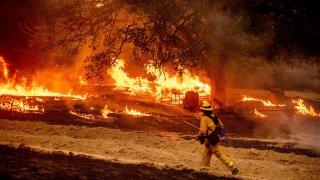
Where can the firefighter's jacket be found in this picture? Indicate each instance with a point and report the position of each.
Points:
(205, 123)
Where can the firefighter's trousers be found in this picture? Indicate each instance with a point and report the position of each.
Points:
(217, 151)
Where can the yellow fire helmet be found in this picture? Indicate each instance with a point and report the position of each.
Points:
(205, 105)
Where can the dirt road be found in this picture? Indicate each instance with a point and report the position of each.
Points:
(167, 155)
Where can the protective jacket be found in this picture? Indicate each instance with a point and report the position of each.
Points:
(207, 126)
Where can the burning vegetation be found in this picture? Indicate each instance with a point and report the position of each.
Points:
(297, 104)
(163, 86)
(23, 98)
(302, 108)
(31, 99)
(82, 68)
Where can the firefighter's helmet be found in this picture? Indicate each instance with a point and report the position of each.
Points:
(205, 105)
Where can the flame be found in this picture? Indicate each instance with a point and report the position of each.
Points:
(99, 4)
(302, 109)
(19, 105)
(123, 81)
(82, 82)
(265, 103)
(34, 90)
(259, 114)
(82, 115)
(14, 89)
(105, 111)
(186, 83)
(39, 99)
(164, 84)
(135, 112)
(4, 68)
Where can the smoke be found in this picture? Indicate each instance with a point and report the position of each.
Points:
(60, 72)
(273, 76)
(239, 50)
(228, 34)
(14, 46)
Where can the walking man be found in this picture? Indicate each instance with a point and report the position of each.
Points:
(211, 128)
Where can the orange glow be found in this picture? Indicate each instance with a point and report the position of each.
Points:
(34, 90)
(135, 112)
(85, 116)
(302, 109)
(265, 103)
(82, 82)
(14, 89)
(4, 68)
(165, 85)
(39, 99)
(186, 83)
(105, 111)
(259, 114)
(19, 105)
(123, 81)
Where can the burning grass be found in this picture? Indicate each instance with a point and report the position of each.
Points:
(265, 103)
(259, 114)
(16, 95)
(302, 108)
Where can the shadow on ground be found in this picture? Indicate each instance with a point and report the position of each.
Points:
(25, 163)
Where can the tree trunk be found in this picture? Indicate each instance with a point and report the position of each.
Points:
(216, 73)
(218, 89)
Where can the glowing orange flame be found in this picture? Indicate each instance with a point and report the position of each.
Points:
(302, 109)
(259, 114)
(11, 88)
(4, 68)
(105, 111)
(82, 115)
(135, 112)
(39, 99)
(265, 103)
(186, 83)
(123, 81)
(19, 106)
(82, 82)
(99, 4)
(164, 83)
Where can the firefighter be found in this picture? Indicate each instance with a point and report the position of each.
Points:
(212, 146)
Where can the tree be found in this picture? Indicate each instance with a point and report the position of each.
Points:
(197, 35)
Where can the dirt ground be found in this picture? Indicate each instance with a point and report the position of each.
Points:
(24, 163)
(58, 145)
(163, 156)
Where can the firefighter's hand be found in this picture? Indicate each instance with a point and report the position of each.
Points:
(201, 139)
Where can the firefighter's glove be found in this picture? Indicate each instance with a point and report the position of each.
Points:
(201, 139)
